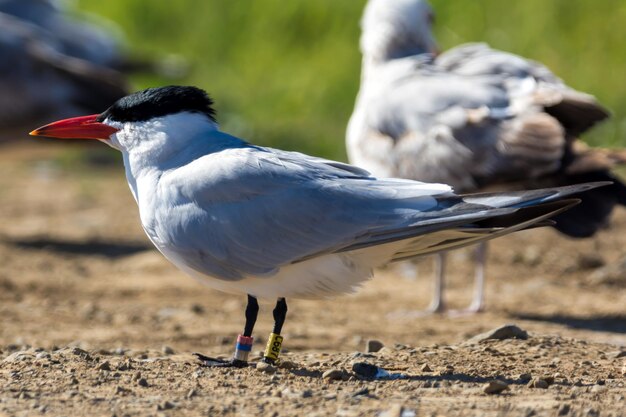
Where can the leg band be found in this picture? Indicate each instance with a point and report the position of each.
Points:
(272, 350)
(243, 348)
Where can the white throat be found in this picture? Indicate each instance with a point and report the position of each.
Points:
(151, 148)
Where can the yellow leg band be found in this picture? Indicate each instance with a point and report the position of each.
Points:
(274, 344)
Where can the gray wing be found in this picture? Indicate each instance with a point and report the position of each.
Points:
(575, 110)
(468, 130)
(432, 126)
(480, 59)
(253, 210)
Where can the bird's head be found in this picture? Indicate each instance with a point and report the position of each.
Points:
(158, 118)
(397, 28)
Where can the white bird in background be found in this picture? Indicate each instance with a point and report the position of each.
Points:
(275, 224)
(472, 117)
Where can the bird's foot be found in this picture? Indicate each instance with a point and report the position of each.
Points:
(220, 363)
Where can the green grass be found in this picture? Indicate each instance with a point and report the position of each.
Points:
(285, 73)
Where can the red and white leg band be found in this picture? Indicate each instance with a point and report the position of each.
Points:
(243, 348)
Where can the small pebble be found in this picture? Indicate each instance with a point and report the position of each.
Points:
(373, 346)
(167, 350)
(366, 370)
(197, 309)
(285, 364)
(104, 366)
(426, 368)
(363, 391)
(598, 388)
(538, 383)
(335, 375)
(447, 370)
(509, 331)
(265, 367)
(143, 382)
(564, 409)
(119, 390)
(495, 387)
(386, 350)
(165, 405)
(590, 261)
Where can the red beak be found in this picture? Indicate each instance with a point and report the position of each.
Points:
(84, 127)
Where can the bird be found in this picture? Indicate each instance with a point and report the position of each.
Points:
(473, 117)
(78, 34)
(53, 66)
(274, 224)
(39, 82)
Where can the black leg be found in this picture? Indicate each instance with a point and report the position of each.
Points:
(244, 342)
(280, 313)
(252, 311)
(274, 344)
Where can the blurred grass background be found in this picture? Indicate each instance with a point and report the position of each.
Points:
(286, 73)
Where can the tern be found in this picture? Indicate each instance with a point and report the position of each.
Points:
(472, 117)
(274, 224)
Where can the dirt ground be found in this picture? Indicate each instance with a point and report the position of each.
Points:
(96, 322)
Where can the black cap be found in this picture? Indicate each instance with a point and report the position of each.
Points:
(160, 101)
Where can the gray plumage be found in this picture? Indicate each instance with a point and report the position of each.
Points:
(472, 117)
(80, 35)
(39, 81)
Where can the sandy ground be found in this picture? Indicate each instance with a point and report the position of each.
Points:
(95, 322)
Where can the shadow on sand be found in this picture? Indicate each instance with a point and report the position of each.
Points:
(615, 323)
(109, 249)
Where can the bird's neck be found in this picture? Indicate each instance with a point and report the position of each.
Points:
(167, 150)
(166, 142)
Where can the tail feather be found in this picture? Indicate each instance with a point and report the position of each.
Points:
(467, 212)
(518, 199)
(524, 218)
(577, 112)
(592, 214)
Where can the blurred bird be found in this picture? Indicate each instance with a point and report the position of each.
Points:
(85, 36)
(472, 117)
(38, 82)
(53, 66)
(88, 36)
(275, 224)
